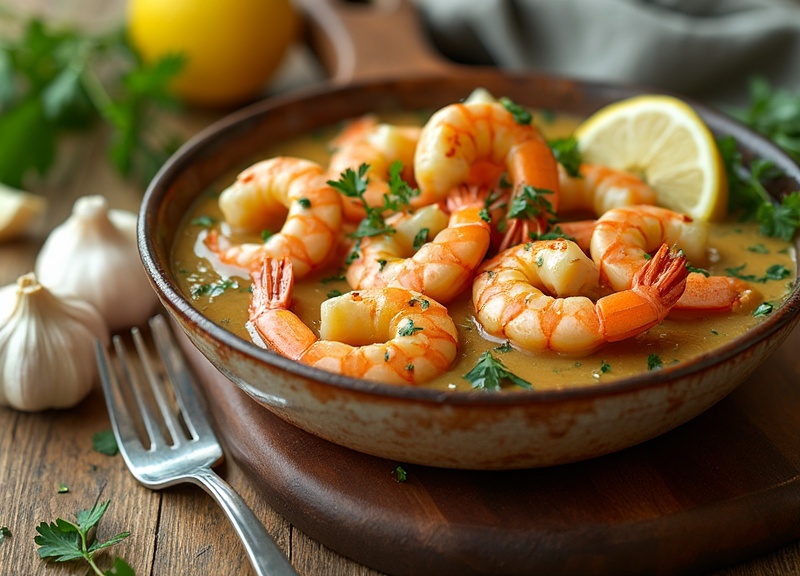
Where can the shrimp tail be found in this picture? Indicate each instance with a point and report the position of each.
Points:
(664, 276)
(278, 328)
(657, 286)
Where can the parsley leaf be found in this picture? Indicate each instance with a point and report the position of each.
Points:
(50, 85)
(530, 203)
(409, 329)
(400, 474)
(567, 154)
(4, 533)
(764, 309)
(654, 362)
(773, 113)
(521, 114)
(63, 541)
(489, 372)
(105, 443)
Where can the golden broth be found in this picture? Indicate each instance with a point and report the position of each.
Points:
(224, 297)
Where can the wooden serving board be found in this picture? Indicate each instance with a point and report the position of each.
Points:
(717, 490)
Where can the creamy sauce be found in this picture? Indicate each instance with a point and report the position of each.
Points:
(223, 296)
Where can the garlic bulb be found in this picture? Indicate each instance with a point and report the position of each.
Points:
(47, 342)
(94, 256)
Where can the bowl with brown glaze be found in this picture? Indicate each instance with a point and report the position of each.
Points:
(455, 429)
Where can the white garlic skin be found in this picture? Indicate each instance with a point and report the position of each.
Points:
(94, 255)
(47, 347)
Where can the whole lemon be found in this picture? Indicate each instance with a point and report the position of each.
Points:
(232, 46)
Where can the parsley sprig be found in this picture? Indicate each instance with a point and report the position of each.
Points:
(353, 184)
(63, 541)
(56, 81)
(489, 373)
(775, 114)
(567, 154)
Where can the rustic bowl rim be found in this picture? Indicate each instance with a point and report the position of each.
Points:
(182, 160)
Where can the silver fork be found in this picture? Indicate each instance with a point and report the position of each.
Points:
(189, 449)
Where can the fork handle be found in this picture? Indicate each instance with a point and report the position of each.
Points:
(265, 556)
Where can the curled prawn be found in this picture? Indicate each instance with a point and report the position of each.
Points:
(378, 145)
(598, 189)
(623, 239)
(475, 143)
(510, 300)
(442, 268)
(595, 190)
(266, 193)
(391, 335)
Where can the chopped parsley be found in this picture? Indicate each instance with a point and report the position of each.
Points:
(504, 347)
(420, 238)
(105, 443)
(4, 533)
(203, 221)
(530, 202)
(305, 203)
(63, 488)
(424, 304)
(605, 367)
(520, 114)
(399, 474)
(774, 272)
(489, 373)
(567, 154)
(334, 293)
(214, 289)
(409, 329)
(764, 309)
(266, 235)
(654, 362)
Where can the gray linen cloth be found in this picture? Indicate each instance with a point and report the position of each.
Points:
(706, 49)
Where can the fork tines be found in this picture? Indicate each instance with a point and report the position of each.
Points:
(159, 384)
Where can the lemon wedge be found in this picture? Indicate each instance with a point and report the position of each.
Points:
(18, 211)
(664, 141)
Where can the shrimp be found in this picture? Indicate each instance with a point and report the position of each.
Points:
(510, 303)
(442, 268)
(262, 194)
(366, 141)
(624, 237)
(598, 189)
(391, 335)
(474, 143)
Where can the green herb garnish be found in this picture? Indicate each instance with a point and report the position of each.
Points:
(520, 114)
(105, 443)
(654, 362)
(213, 289)
(420, 238)
(4, 533)
(530, 203)
(567, 154)
(409, 329)
(203, 221)
(764, 309)
(489, 373)
(399, 474)
(63, 541)
(52, 83)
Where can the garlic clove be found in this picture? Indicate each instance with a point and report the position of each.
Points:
(94, 255)
(47, 344)
(19, 212)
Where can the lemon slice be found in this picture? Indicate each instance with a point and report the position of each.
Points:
(18, 211)
(664, 141)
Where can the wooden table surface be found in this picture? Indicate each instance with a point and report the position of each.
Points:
(173, 532)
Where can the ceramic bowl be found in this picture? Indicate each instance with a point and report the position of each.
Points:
(470, 430)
